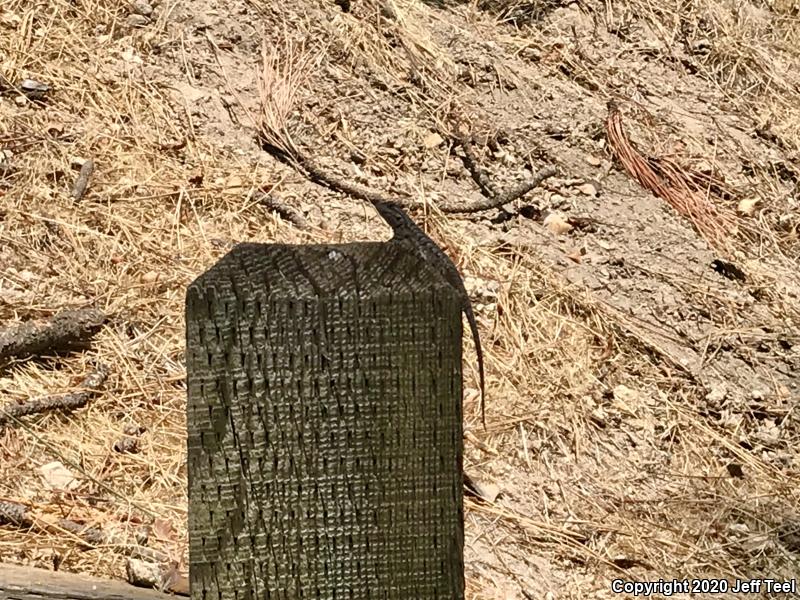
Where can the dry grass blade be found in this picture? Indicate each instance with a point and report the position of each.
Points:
(279, 85)
(671, 183)
(280, 82)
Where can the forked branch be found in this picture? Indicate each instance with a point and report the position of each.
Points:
(278, 87)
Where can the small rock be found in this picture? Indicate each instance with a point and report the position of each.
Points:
(747, 206)
(76, 162)
(605, 245)
(576, 254)
(594, 161)
(58, 477)
(716, 395)
(599, 416)
(740, 528)
(482, 489)
(141, 7)
(556, 223)
(588, 189)
(735, 470)
(137, 20)
(235, 182)
(506, 158)
(35, 90)
(625, 398)
(432, 140)
(143, 573)
(150, 277)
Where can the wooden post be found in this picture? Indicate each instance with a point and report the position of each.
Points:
(324, 426)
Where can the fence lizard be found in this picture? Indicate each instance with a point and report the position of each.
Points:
(407, 231)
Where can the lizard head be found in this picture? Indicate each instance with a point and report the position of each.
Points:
(392, 213)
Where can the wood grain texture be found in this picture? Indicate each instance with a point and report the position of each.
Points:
(29, 583)
(406, 231)
(325, 426)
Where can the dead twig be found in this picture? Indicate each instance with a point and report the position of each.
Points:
(67, 330)
(15, 514)
(300, 161)
(66, 402)
(478, 174)
(509, 195)
(287, 212)
(18, 515)
(278, 88)
(82, 182)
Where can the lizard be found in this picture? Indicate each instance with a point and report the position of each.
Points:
(407, 231)
(404, 228)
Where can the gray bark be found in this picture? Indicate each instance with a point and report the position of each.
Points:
(324, 426)
(67, 330)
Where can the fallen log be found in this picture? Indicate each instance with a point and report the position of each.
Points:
(65, 331)
(30, 583)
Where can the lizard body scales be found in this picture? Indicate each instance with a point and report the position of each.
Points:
(407, 231)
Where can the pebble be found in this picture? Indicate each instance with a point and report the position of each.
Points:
(716, 395)
(136, 20)
(76, 162)
(747, 206)
(150, 277)
(588, 189)
(31, 85)
(34, 90)
(556, 223)
(432, 140)
(141, 7)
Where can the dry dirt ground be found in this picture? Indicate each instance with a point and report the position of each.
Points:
(642, 405)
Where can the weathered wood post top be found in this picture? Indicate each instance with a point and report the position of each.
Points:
(324, 426)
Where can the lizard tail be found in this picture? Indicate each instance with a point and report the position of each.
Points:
(479, 351)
